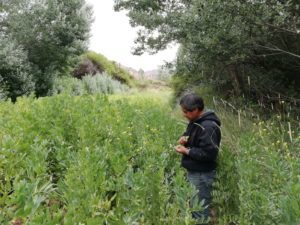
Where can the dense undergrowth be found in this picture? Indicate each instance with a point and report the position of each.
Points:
(259, 169)
(110, 160)
(90, 160)
(89, 84)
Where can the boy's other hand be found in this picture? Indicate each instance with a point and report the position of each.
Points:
(181, 149)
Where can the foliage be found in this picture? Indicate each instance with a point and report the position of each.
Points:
(62, 152)
(50, 33)
(68, 85)
(72, 160)
(90, 84)
(85, 67)
(102, 83)
(232, 45)
(15, 71)
(260, 168)
(109, 67)
(165, 73)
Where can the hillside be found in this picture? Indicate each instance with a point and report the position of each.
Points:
(92, 63)
(140, 74)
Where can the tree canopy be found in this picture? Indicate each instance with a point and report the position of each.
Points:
(224, 43)
(47, 35)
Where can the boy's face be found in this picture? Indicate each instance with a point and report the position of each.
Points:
(191, 115)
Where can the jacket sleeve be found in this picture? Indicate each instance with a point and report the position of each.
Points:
(208, 145)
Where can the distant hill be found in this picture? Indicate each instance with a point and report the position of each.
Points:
(140, 74)
(152, 74)
(131, 71)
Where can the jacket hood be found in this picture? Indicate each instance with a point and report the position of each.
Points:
(209, 115)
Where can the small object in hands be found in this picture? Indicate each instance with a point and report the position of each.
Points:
(185, 138)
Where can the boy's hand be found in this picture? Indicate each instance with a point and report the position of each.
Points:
(181, 149)
(183, 140)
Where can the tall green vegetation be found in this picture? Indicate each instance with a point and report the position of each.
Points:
(238, 47)
(258, 175)
(40, 39)
(89, 84)
(84, 160)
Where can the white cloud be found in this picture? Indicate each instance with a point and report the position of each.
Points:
(113, 37)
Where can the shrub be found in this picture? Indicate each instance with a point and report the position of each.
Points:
(85, 67)
(102, 83)
(99, 83)
(69, 85)
(15, 71)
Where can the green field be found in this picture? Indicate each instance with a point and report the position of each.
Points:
(110, 160)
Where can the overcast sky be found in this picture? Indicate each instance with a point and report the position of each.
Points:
(113, 37)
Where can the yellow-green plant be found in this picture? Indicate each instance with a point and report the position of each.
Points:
(259, 169)
(91, 160)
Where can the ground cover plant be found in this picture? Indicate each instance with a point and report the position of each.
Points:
(259, 173)
(110, 160)
(90, 160)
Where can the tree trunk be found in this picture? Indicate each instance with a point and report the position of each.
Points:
(235, 77)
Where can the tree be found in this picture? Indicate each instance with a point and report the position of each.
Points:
(51, 32)
(165, 73)
(141, 74)
(15, 71)
(224, 42)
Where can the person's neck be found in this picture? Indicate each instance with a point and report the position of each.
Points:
(198, 116)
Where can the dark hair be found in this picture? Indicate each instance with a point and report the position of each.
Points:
(191, 102)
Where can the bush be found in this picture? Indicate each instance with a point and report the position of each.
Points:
(99, 83)
(3, 95)
(85, 67)
(102, 83)
(15, 71)
(69, 85)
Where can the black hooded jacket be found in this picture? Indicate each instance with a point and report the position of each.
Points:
(204, 136)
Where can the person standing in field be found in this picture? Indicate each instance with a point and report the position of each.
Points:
(199, 146)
